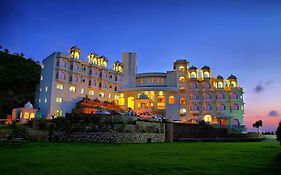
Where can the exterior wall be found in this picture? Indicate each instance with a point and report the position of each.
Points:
(129, 61)
(60, 73)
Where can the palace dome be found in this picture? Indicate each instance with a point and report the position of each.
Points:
(219, 77)
(192, 68)
(205, 68)
(28, 105)
(232, 77)
(74, 48)
(143, 97)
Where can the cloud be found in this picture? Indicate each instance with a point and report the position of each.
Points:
(273, 113)
(262, 86)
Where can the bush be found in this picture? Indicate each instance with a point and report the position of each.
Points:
(278, 133)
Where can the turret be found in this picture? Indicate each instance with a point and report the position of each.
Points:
(232, 81)
(74, 52)
(118, 66)
(206, 72)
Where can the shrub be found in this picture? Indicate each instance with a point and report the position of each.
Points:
(278, 133)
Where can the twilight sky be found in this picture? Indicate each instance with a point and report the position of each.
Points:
(238, 37)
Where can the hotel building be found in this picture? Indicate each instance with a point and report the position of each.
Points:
(185, 93)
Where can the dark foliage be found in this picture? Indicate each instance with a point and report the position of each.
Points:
(278, 133)
(19, 77)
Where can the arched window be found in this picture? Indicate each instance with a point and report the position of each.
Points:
(182, 90)
(62, 75)
(75, 78)
(182, 112)
(116, 78)
(235, 107)
(194, 96)
(90, 82)
(206, 75)
(194, 107)
(181, 79)
(234, 95)
(220, 84)
(160, 102)
(208, 107)
(115, 89)
(221, 107)
(193, 75)
(171, 100)
(193, 85)
(220, 95)
(182, 101)
(233, 84)
(131, 102)
(208, 118)
(94, 83)
(207, 96)
(207, 85)
(181, 69)
(104, 85)
(235, 122)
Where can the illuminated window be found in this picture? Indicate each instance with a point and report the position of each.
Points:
(181, 69)
(193, 75)
(182, 90)
(91, 92)
(181, 79)
(82, 91)
(116, 97)
(182, 101)
(40, 89)
(72, 89)
(45, 100)
(109, 95)
(131, 103)
(171, 100)
(46, 88)
(206, 75)
(233, 84)
(26, 115)
(39, 100)
(121, 101)
(220, 84)
(101, 94)
(58, 113)
(208, 118)
(182, 112)
(41, 77)
(161, 102)
(59, 86)
(160, 93)
(32, 116)
(59, 100)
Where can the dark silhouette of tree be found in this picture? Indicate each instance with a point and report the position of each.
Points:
(22, 54)
(6, 50)
(258, 124)
(278, 133)
(1, 47)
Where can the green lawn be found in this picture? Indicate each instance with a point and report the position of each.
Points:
(161, 158)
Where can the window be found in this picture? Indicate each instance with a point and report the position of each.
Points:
(59, 86)
(220, 84)
(182, 101)
(181, 69)
(182, 90)
(109, 95)
(181, 79)
(234, 95)
(46, 88)
(207, 85)
(161, 102)
(220, 95)
(39, 100)
(207, 96)
(101, 94)
(208, 118)
(45, 100)
(58, 113)
(194, 107)
(233, 84)
(194, 96)
(193, 75)
(91, 92)
(208, 107)
(59, 100)
(82, 91)
(206, 75)
(40, 89)
(221, 107)
(171, 100)
(182, 112)
(41, 77)
(193, 85)
(235, 107)
(72, 89)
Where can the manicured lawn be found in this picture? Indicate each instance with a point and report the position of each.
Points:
(161, 158)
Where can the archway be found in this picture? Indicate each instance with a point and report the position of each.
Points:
(208, 118)
(131, 102)
(235, 122)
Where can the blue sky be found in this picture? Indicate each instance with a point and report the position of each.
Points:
(239, 37)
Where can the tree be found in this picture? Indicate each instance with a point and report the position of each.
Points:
(1, 47)
(22, 54)
(258, 124)
(6, 50)
(278, 133)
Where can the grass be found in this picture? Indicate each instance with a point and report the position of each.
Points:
(161, 158)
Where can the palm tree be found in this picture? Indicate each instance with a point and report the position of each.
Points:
(258, 124)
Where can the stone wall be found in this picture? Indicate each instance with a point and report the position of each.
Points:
(108, 137)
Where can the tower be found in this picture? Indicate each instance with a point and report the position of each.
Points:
(74, 52)
(129, 60)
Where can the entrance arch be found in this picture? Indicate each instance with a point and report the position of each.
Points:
(131, 102)
(208, 118)
(235, 122)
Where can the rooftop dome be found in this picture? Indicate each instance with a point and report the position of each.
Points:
(75, 47)
(103, 57)
(143, 97)
(205, 68)
(193, 68)
(28, 105)
(219, 77)
(232, 77)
